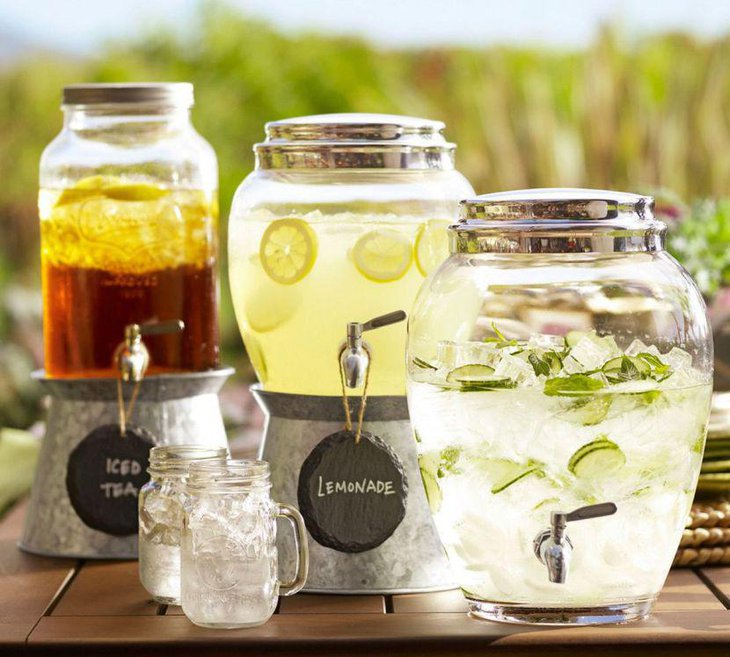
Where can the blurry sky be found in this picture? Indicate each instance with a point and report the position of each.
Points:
(80, 25)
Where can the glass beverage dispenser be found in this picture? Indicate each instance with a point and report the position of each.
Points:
(129, 248)
(340, 222)
(561, 416)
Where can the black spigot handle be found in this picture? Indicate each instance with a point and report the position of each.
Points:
(592, 511)
(385, 320)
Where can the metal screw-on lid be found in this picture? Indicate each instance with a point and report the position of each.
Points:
(178, 94)
(355, 141)
(557, 221)
(556, 205)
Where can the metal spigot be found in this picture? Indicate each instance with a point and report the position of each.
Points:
(354, 359)
(131, 357)
(553, 546)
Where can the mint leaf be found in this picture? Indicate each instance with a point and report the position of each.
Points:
(575, 384)
(539, 365)
(656, 363)
(501, 340)
(449, 456)
(488, 384)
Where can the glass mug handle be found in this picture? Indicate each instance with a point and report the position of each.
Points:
(290, 587)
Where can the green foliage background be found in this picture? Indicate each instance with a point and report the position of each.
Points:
(654, 113)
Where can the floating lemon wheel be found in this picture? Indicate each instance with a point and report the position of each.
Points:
(432, 245)
(288, 250)
(383, 255)
(111, 187)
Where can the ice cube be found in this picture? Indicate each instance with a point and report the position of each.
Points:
(678, 359)
(590, 353)
(638, 347)
(511, 367)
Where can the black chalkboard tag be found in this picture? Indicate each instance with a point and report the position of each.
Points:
(104, 474)
(352, 495)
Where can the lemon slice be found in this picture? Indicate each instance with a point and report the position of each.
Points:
(288, 250)
(111, 187)
(383, 255)
(432, 245)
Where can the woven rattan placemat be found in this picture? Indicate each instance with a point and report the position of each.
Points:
(706, 540)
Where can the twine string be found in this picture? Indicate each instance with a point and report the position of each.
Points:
(126, 414)
(364, 398)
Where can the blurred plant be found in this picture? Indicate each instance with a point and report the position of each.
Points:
(619, 115)
(701, 242)
(18, 455)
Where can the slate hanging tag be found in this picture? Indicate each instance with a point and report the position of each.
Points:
(104, 474)
(352, 495)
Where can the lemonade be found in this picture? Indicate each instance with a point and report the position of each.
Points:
(297, 280)
(508, 431)
(117, 251)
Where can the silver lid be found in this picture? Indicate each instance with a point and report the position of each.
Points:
(178, 94)
(355, 141)
(558, 221)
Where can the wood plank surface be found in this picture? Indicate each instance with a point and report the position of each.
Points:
(719, 578)
(65, 607)
(312, 603)
(426, 631)
(106, 588)
(685, 591)
(443, 601)
(28, 583)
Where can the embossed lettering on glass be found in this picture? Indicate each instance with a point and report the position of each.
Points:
(229, 554)
(160, 517)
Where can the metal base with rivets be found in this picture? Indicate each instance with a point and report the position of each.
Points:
(412, 559)
(174, 408)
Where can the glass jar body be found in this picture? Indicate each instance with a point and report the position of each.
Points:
(548, 382)
(160, 521)
(160, 517)
(229, 558)
(363, 241)
(129, 216)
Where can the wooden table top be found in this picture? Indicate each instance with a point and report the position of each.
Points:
(71, 607)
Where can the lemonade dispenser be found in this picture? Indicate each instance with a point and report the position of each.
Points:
(129, 247)
(561, 417)
(339, 224)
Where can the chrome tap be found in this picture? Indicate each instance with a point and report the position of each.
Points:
(354, 358)
(131, 357)
(553, 546)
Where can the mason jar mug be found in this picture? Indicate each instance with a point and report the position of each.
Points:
(229, 564)
(160, 517)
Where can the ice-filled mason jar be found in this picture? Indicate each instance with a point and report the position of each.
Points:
(229, 555)
(129, 230)
(160, 517)
(341, 221)
(559, 382)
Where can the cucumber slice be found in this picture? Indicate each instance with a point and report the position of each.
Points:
(590, 411)
(428, 464)
(419, 362)
(574, 337)
(513, 478)
(470, 373)
(599, 458)
(626, 368)
(548, 502)
(433, 491)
